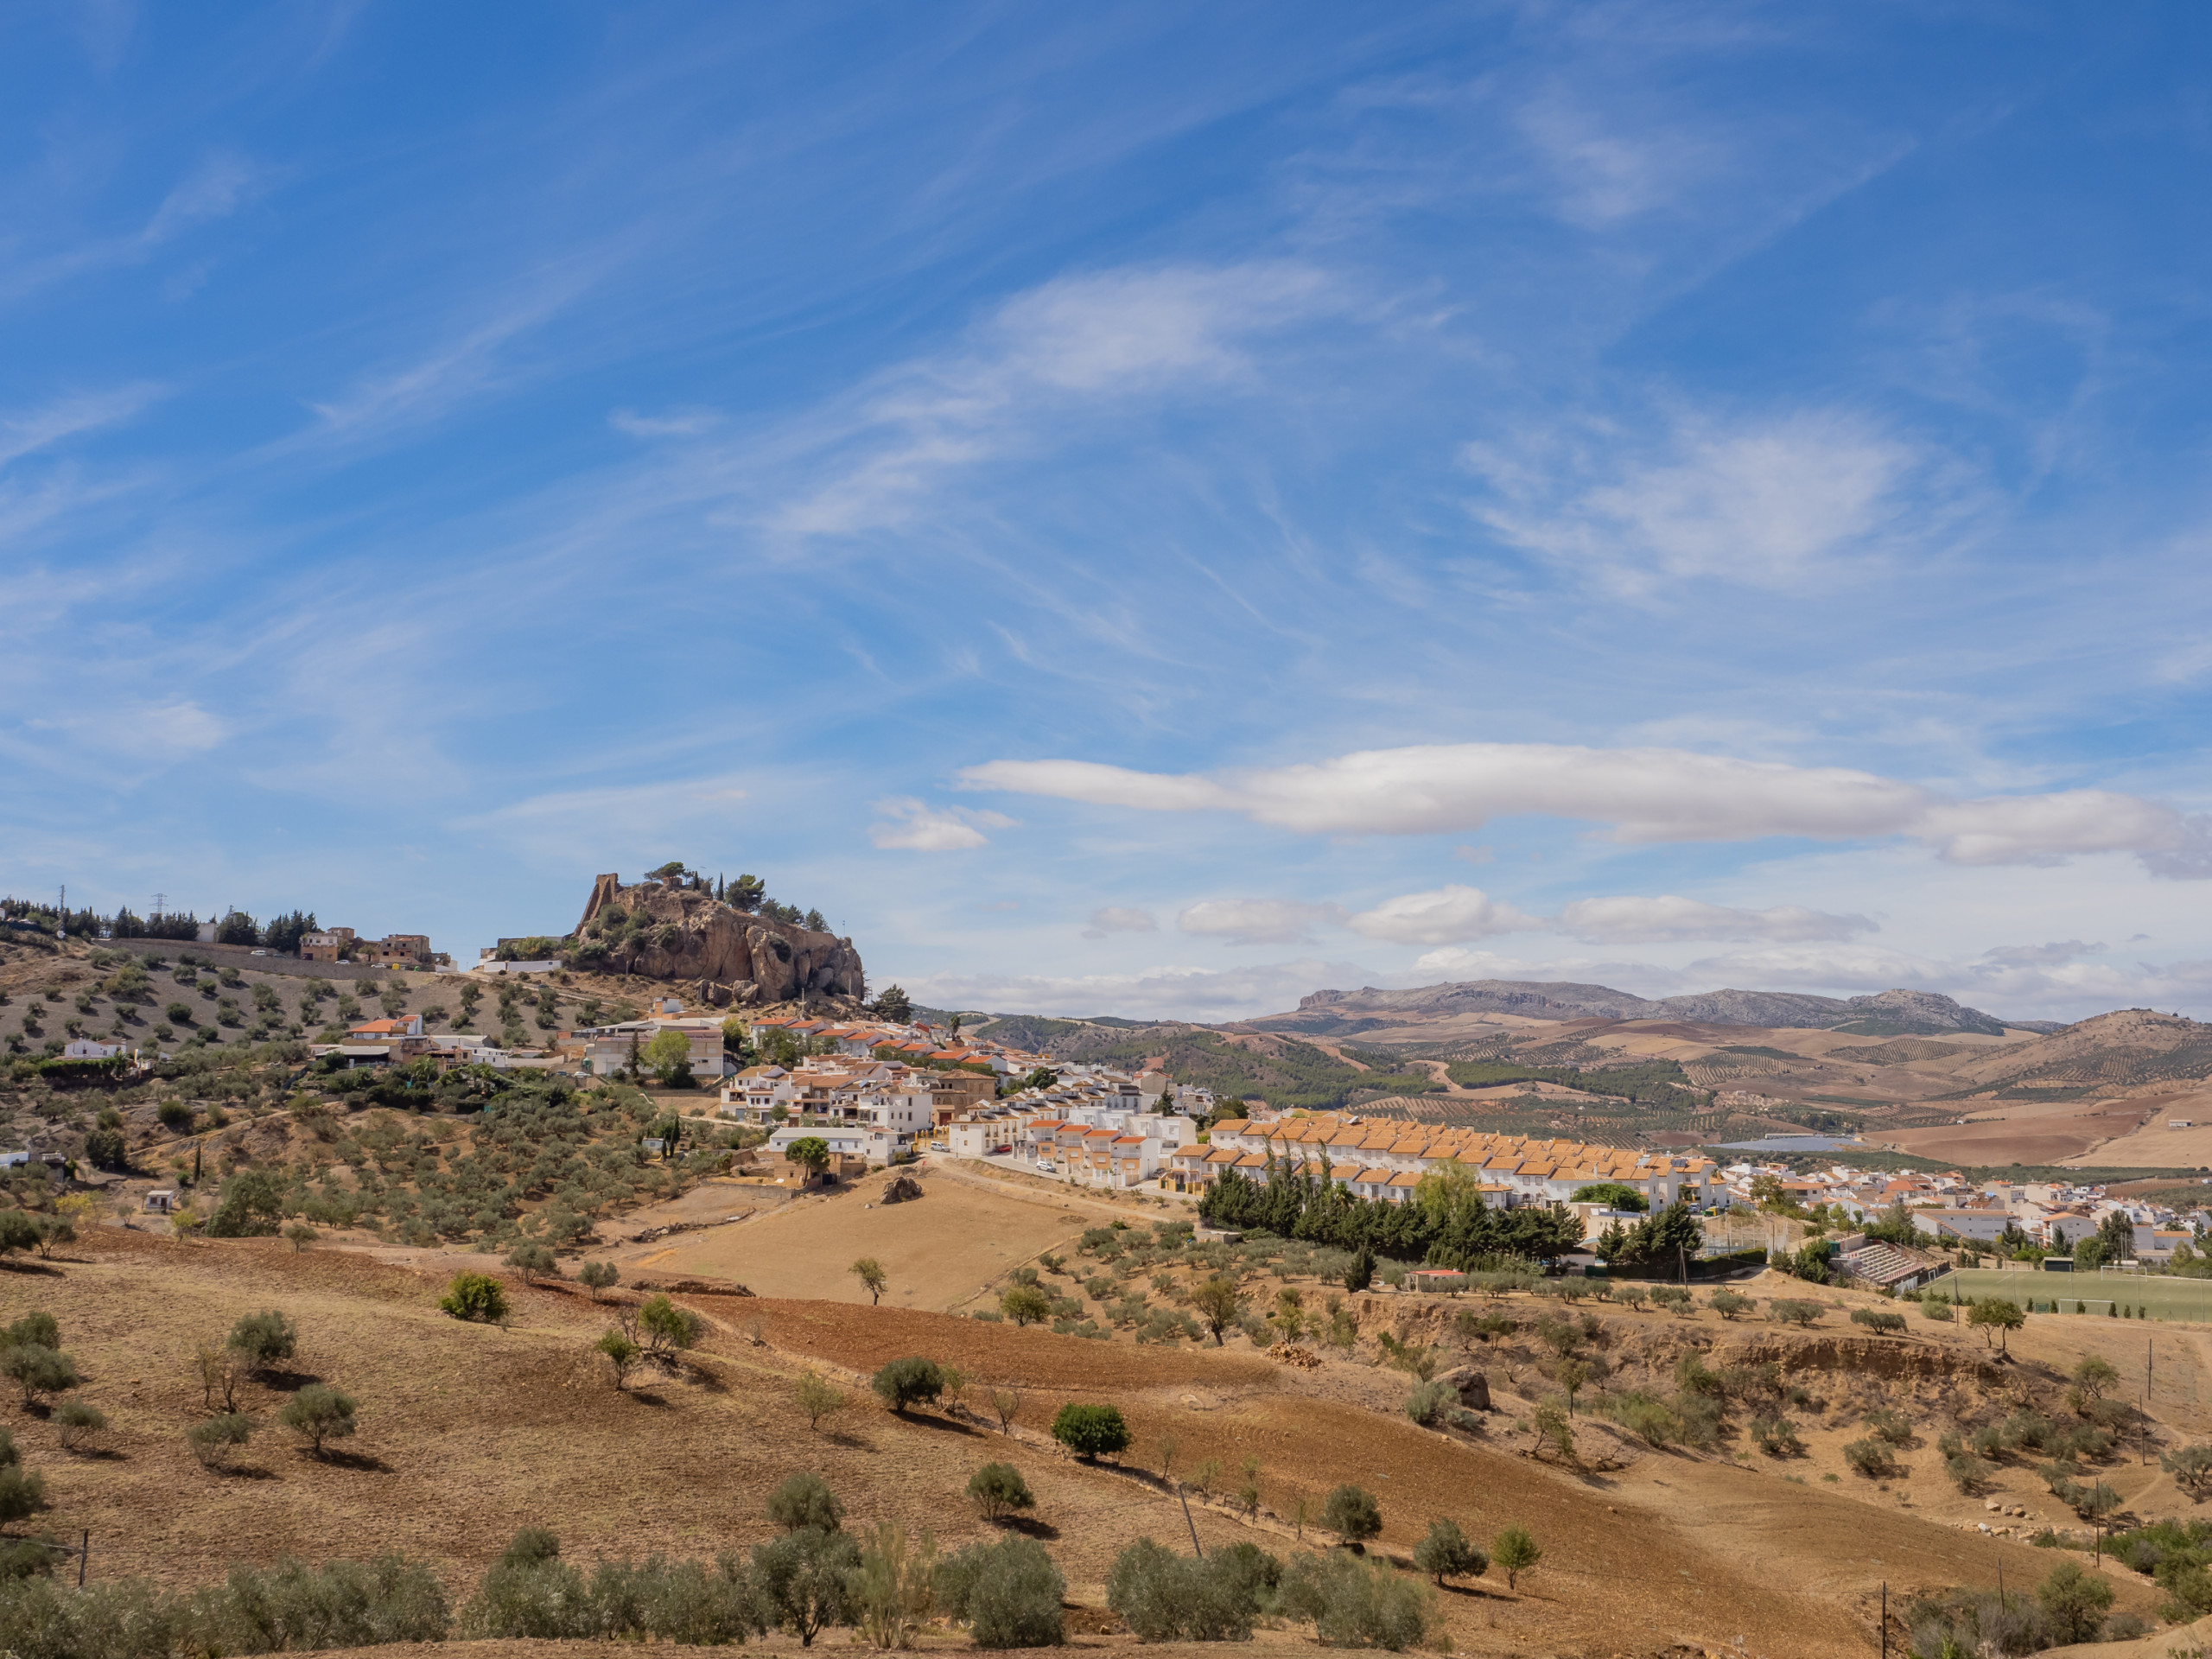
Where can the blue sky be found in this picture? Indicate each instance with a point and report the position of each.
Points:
(1148, 510)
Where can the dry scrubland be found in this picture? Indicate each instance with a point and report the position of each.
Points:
(469, 1432)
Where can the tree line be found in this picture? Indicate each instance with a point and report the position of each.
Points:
(1445, 1225)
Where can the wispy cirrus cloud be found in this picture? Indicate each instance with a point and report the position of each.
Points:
(1640, 795)
(1779, 502)
(31, 431)
(219, 184)
(470, 362)
(1073, 346)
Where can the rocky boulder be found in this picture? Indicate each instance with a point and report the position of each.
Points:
(1473, 1387)
(659, 931)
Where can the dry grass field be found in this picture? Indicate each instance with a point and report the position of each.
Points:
(943, 1250)
(469, 1432)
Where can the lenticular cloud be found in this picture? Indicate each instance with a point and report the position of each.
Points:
(1640, 795)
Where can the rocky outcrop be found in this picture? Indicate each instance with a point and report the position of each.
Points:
(1471, 1386)
(659, 931)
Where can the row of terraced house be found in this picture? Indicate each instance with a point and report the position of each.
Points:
(1385, 1159)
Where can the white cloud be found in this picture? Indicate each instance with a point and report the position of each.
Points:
(1167, 992)
(1641, 795)
(916, 826)
(39, 429)
(1064, 347)
(214, 189)
(1119, 918)
(142, 731)
(1258, 921)
(1771, 503)
(1626, 921)
(1608, 175)
(1447, 915)
(692, 425)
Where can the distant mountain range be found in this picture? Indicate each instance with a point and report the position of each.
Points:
(1888, 1014)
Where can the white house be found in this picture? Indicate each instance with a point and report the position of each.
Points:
(83, 1048)
(879, 1145)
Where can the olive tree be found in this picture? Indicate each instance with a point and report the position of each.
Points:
(1091, 1432)
(804, 1501)
(819, 1398)
(913, 1381)
(598, 1276)
(1352, 1513)
(998, 1490)
(874, 1280)
(1445, 1552)
(318, 1414)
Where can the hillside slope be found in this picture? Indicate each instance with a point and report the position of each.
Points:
(469, 1432)
(1888, 1014)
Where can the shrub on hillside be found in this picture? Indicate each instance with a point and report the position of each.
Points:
(1777, 1437)
(1515, 1551)
(1790, 1310)
(1890, 1426)
(667, 1328)
(1008, 1593)
(318, 1414)
(1091, 1432)
(913, 1381)
(1433, 1404)
(336, 1604)
(1871, 1457)
(1352, 1513)
(687, 1602)
(819, 1398)
(1889, 1324)
(1165, 1597)
(213, 1438)
(476, 1296)
(1729, 1304)
(2190, 1466)
(802, 1582)
(1445, 1552)
(533, 1261)
(1025, 1305)
(288, 1606)
(22, 1494)
(1356, 1603)
(262, 1339)
(38, 1370)
(804, 1500)
(81, 1423)
(34, 1329)
(598, 1277)
(998, 1490)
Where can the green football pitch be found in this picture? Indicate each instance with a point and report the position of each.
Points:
(2100, 1295)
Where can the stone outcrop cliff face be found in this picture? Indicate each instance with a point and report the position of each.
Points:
(662, 932)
